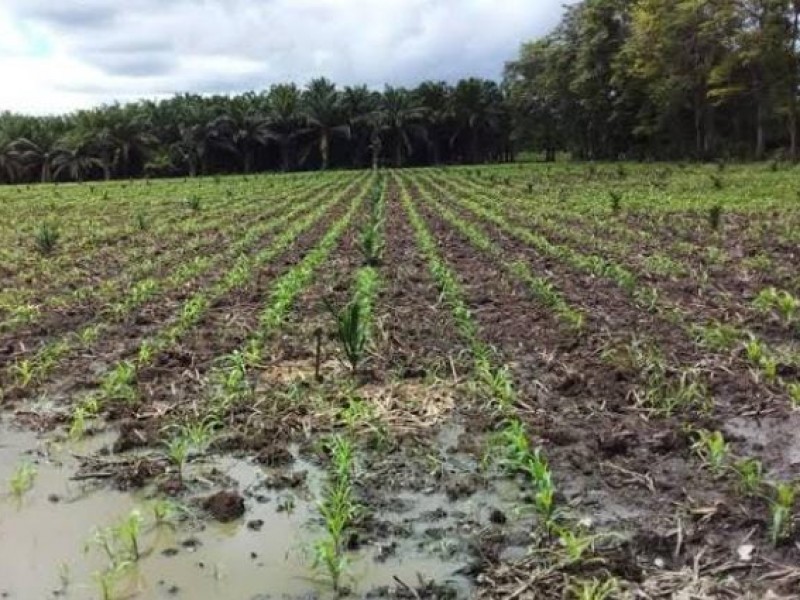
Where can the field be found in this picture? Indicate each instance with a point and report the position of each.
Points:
(516, 381)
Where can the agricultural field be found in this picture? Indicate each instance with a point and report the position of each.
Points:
(513, 381)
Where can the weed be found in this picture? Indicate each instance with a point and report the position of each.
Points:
(193, 203)
(140, 221)
(615, 200)
(46, 238)
(714, 216)
(351, 331)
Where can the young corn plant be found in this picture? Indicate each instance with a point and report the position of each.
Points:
(22, 480)
(781, 512)
(338, 509)
(782, 302)
(594, 589)
(178, 449)
(119, 383)
(793, 389)
(750, 474)
(712, 449)
(371, 243)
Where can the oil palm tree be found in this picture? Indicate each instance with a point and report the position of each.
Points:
(75, 159)
(435, 98)
(476, 107)
(402, 119)
(34, 156)
(284, 120)
(9, 164)
(323, 116)
(358, 103)
(248, 129)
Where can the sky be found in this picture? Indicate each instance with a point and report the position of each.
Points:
(61, 55)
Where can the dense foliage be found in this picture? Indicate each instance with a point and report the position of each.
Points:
(663, 79)
(283, 128)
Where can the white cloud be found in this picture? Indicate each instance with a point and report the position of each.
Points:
(78, 53)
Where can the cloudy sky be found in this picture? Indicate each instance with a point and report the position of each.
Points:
(58, 55)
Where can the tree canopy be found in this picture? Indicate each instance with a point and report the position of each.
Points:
(662, 79)
(282, 128)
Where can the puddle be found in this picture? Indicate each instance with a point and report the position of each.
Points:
(773, 440)
(43, 537)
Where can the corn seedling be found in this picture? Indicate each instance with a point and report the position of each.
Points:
(128, 533)
(329, 557)
(178, 452)
(781, 509)
(712, 449)
(594, 589)
(496, 383)
(793, 390)
(371, 243)
(22, 479)
(118, 384)
(338, 509)
(750, 476)
(782, 302)
(109, 578)
(199, 435)
(166, 512)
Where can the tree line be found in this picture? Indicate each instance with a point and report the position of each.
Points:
(283, 128)
(662, 79)
(639, 79)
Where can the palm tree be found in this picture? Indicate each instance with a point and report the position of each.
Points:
(34, 156)
(358, 103)
(76, 161)
(402, 119)
(323, 115)
(435, 98)
(9, 164)
(283, 119)
(249, 129)
(476, 108)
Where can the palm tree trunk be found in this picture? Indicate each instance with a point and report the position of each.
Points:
(398, 152)
(248, 160)
(324, 149)
(284, 155)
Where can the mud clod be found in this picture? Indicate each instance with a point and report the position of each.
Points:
(225, 506)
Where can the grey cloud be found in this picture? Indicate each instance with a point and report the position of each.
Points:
(149, 47)
(145, 64)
